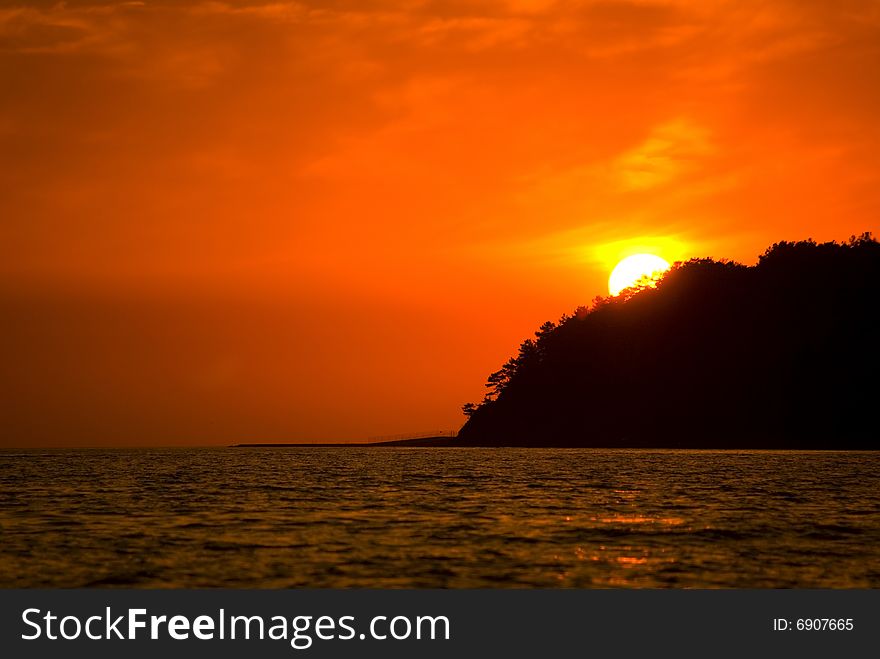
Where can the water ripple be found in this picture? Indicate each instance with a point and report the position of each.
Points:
(279, 518)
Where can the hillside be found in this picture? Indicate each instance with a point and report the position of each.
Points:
(782, 354)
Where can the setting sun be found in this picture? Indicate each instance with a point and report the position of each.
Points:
(636, 269)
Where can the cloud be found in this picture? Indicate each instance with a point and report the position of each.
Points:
(532, 115)
(273, 11)
(64, 29)
(672, 149)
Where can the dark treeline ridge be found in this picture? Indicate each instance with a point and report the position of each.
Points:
(782, 354)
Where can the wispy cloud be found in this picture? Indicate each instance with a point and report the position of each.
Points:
(66, 29)
(672, 149)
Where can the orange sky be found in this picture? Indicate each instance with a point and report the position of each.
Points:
(269, 221)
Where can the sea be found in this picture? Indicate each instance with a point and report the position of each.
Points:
(438, 518)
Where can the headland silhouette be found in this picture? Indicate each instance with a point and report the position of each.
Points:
(782, 354)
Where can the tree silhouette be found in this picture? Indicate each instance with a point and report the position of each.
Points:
(780, 354)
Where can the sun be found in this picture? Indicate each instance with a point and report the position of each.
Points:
(638, 269)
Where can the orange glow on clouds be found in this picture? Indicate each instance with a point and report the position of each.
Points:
(248, 220)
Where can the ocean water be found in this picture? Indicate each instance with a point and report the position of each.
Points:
(457, 518)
